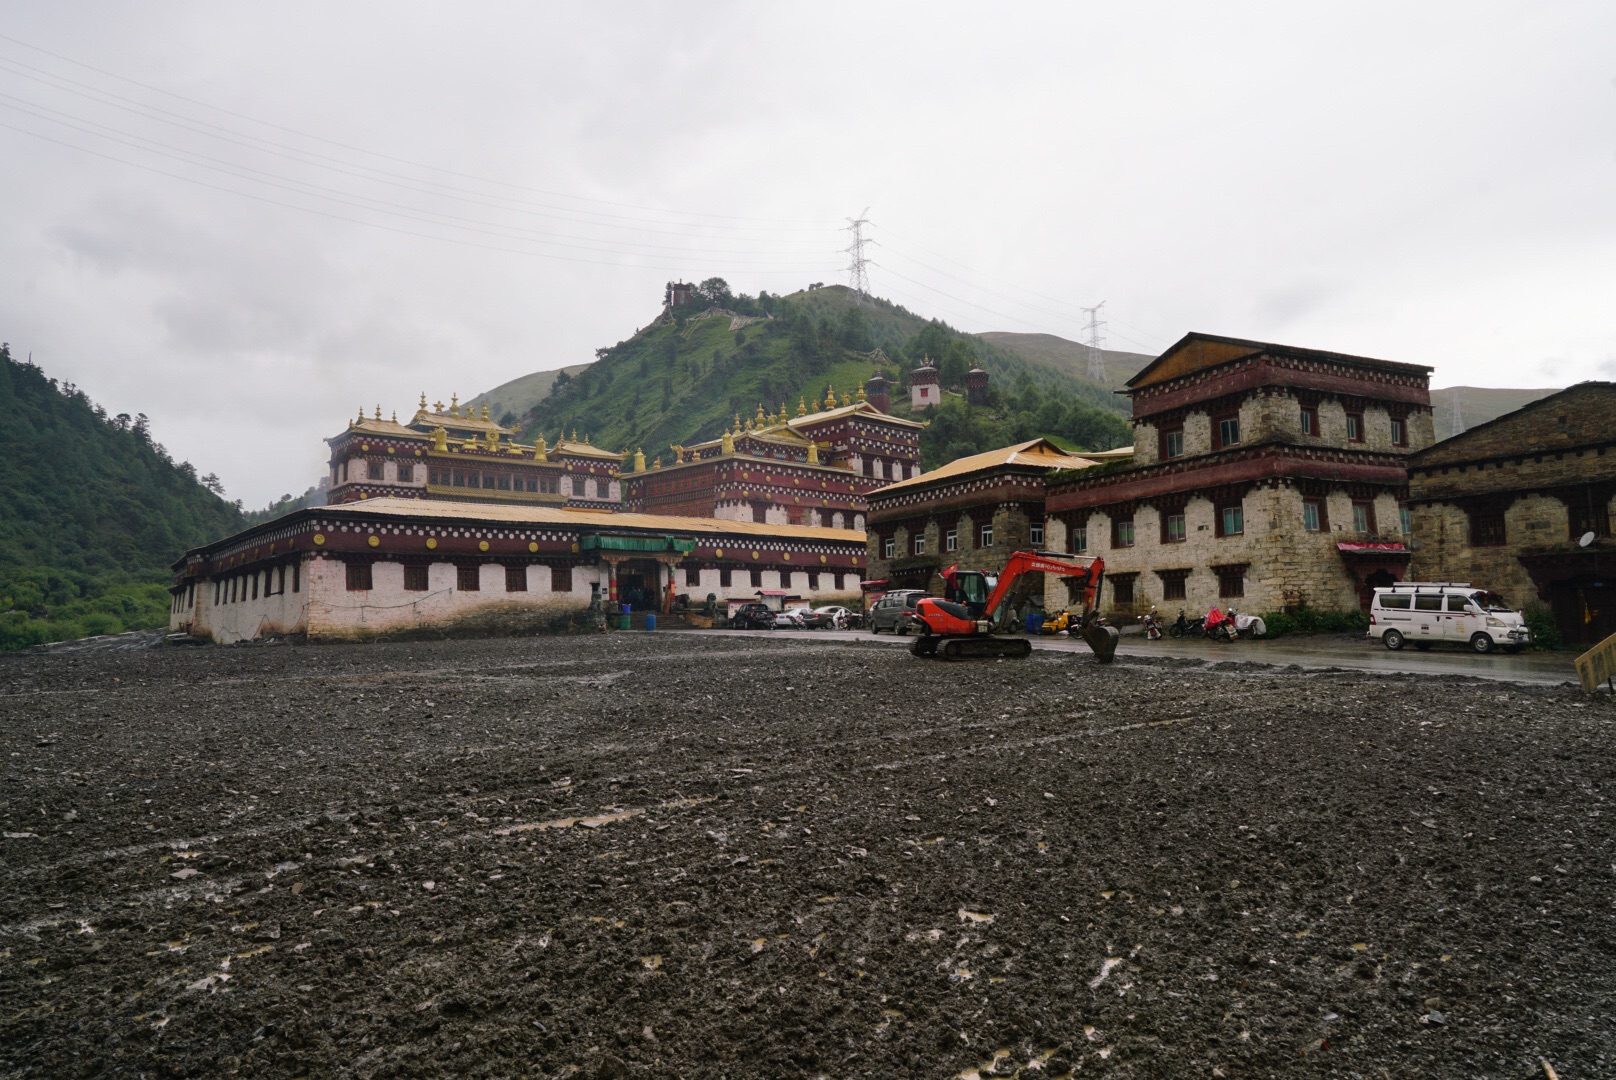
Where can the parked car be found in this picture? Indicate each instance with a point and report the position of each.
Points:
(752, 617)
(812, 620)
(896, 611)
(1422, 614)
(787, 620)
(832, 618)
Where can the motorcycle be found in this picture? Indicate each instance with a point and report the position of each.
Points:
(1153, 625)
(1183, 626)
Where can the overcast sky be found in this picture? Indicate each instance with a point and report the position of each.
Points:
(247, 220)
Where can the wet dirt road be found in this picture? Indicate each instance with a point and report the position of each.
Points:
(694, 855)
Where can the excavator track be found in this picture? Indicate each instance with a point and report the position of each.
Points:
(985, 647)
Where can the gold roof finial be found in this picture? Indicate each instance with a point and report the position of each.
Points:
(437, 406)
(802, 406)
(737, 421)
(760, 412)
(454, 404)
(586, 438)
(378, 411)
(540, 451)
(657, 464)
(860, 395)
(440, 440)
(574, 434)
(726, 445)
(813, 452)
(423, 400)
(485, 410)
(395, 416)
(782, 412)
(847, 399)
(639, 460)
(749, 425)
(830, 397)
(361, 419)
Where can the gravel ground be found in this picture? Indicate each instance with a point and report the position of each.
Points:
(666, 855)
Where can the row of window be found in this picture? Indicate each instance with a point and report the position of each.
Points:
(499, 481)
(1231, 586)
(238, 588)
(1487, 528)
(1226, 432)
(1230, 520)
(984, 539)
(469, 578)
(726, 578)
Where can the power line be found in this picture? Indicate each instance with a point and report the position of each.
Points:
(858, 267)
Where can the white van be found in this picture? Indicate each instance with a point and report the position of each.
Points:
(1422, 613)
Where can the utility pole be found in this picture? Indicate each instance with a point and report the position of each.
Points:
(1096, 361)
(1458, 416)
(858, 276)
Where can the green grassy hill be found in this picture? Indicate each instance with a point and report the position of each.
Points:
(94, 513)
(1478, 404)
(514, 399)
(684, 378)
(1071, 357)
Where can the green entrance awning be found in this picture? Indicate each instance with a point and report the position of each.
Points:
(637, 543)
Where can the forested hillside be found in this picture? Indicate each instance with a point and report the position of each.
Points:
(92, 512)
(684, 378)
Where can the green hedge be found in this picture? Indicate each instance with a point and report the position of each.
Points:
(1307, 621)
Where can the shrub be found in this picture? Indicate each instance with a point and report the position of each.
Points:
(1545, 630)
(1305, 620)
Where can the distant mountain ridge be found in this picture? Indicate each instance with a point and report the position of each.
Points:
(1070, 357)
(517, 397)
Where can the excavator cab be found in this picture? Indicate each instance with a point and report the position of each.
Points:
(968, 588)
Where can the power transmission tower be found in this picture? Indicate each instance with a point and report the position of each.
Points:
(1096, 360)
(857, 267)
(1458, 416)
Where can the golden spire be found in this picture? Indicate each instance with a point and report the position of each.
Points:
(395, 416)
(540, 451)
(860, 395)
(454, 404)
(802, 406)
(657, 464)
(361, 419)
(678, 455)
(737, 421)
(586, 438)
(639, 460)
(574, 434)
(760, 414)
(726, 445)
(830, 397)
(378, 411)
(423, 401)
(485, 410)
(440, 440)
(782, 412)
(813, 452)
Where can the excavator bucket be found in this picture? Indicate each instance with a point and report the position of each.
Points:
(1103, 640)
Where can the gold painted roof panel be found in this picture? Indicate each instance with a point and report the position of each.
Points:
(1040, 453)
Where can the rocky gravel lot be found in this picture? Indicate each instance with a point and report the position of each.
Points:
(682, 856)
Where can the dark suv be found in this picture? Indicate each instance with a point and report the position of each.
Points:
(752, 617)
(896, 611)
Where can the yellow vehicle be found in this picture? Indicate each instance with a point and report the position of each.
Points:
(1054, 624)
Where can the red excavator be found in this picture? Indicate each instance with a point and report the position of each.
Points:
(969, 621)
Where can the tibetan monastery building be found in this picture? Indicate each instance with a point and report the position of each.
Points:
(814, 468)
(406, 564)
(455, 454)
(1263, 476)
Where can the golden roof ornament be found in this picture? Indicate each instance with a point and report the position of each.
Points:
(437, 406)
(726, 445)
(378, 412)
(639, 460)
(574, 434)
(454, 404)
(440, 440)
(540, 452)
(830, 397)
(813, 452)
(423, 401)
(782, 412)
(361, 419)
(760, 413)
(485, 410)
(395, 416)
(586, 438)
(737, 421)
(802, 406)
(846, 399)
(657, 464)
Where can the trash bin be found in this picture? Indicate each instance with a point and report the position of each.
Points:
(1035, 624)
(624, 609)
(650, 620)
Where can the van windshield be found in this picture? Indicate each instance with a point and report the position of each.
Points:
(1490, 601)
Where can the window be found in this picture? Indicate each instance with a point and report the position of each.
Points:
(406, 474)
(785, 579)
(1122, 589)
(297, 577)
(215, 594)
(1587, 518)
(1486, 529)
(813, 579)
(504, 481)
(1457, 604)
(1393, 600)
(693, 575)
(1428, 603)
(1231, 520)
(1354, 427)
(1080, 539)
(1231, 584)
(358, 577)
(760, 513)
(516, 579)
(561, 579)
(1363, 517)
(603, 489)
(255, 585)
(488, 481)
(467, 579)
(373, 470)
(889, 548)
(985, 535)
(1228, 432)
(282, 588)
(951, 540)
(415, 579)
(1173, 584)
(1122, 533)
(1035, 534)
(459, 478)
(1405, 518)
(1399, 432)
(1310, 420)
(1172, 443)
(920, 543)
(1173, 531)
(1313, 515)
(841, 579)
(757, 579)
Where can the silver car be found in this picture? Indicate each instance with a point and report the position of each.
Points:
(896, 611)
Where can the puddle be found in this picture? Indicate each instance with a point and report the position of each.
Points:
(981, 918)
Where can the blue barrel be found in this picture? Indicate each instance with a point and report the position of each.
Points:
(1035, 624)
(650, 620)
(623, 609)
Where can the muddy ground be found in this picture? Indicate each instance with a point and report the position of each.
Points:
(667, 855)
